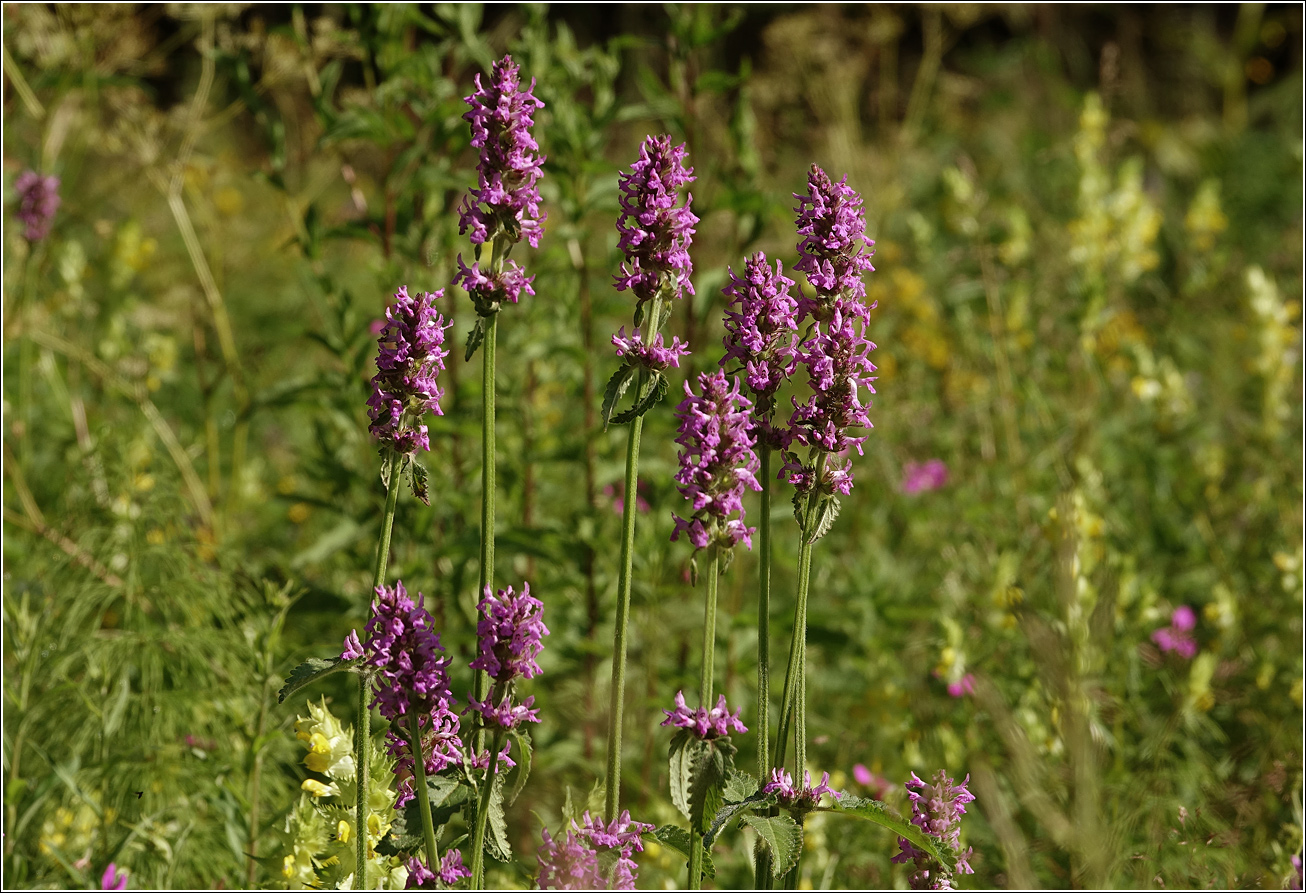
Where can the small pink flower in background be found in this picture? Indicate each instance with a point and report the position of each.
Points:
(1177, 637)
(866, 778)
(963, 686)
(377, 326)
(917, 478)
(617, 493)
(113, 879)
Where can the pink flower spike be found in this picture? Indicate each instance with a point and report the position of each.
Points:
(862, 775)
(1183, 618)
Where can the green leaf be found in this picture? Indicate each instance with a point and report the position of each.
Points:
(444, 795)
(419, 479)
(826, 512)
(656, 391)
(312, 670)
(400, 840)
(496, 837)
(639, 314)
(617, 385)
(707, 783)
(474, 339)
(515, 778)
(742, 792)
(446, 800)
(681, 764)
(679, 840)
(877, 812)
(782, 835)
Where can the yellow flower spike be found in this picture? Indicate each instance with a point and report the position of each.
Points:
(318, 743)
(374, 825)
(317, 762)
(316, 788)
(343, 831)
(288, 866)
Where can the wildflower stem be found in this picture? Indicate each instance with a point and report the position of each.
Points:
(696, 862)
(794, 697)
(487, 474)
(709, 633)
(764, 616)
(362, 725)
(483, 814)
(423, 800)
(617, 705)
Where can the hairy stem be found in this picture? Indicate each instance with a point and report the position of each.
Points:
(617, 705)
(362, 725)
(764, 618)
(483, 814)
(423, 800)
(709, 633)
(487, 481)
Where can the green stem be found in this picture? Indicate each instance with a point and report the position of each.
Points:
(764, 618)
(709, 634)
(423, 799)
(483, 814)
(705, 699)
(362, 725)
(763, 861)
(791, 879)
(481, 682)
(617, 705)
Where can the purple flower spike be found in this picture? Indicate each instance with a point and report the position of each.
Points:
(569, 864)
(411, 679)
(651, 356)
(715, 723)
(573, 862)
(838, 367)
(834, 248)
(761, 334)
(716, 462)
(936, 809)
(353, 648)
(452, 869)
(507, 199)
(419, 876)
(803, 796)
(654, 233)
(38, 199)
(510, 632)
(113, 879)
(404, 388)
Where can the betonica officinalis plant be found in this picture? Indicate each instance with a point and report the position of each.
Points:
(308, 316)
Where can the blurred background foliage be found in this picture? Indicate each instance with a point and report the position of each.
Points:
(1089, 230)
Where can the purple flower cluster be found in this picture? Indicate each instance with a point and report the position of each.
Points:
(113, 878)
(715, 723)
(833, 251)
(510, 634)
(412, 679)
(803, 796)
(506, 714)
(652, 356)
(716, 462)
(451, 871)
(38, 199)
(507, 199)
(1178, 636)
(490, 290)
(404, 388)
(761, 333)
(653, 232)
(572, 862)
(837, 368)
(917, 478)
(936, 809)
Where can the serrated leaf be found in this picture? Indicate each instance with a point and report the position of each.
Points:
(679, 840)
(514, 779)
(877, 812)
(639, 314)
(400, 840)
(681, 763)
(617, 385)
(728, 813)
(445, 795)
(740, 786)
(310, 671)
(782, 835)
(800, 509)
(419, 479)
(707, 784)
(497, 846)
(474, 338)
(826, 512)
(451, 799)
(656, 391)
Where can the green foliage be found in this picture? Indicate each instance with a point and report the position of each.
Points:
(1088, 282)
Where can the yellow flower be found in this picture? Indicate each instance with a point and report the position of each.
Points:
(317, 789)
